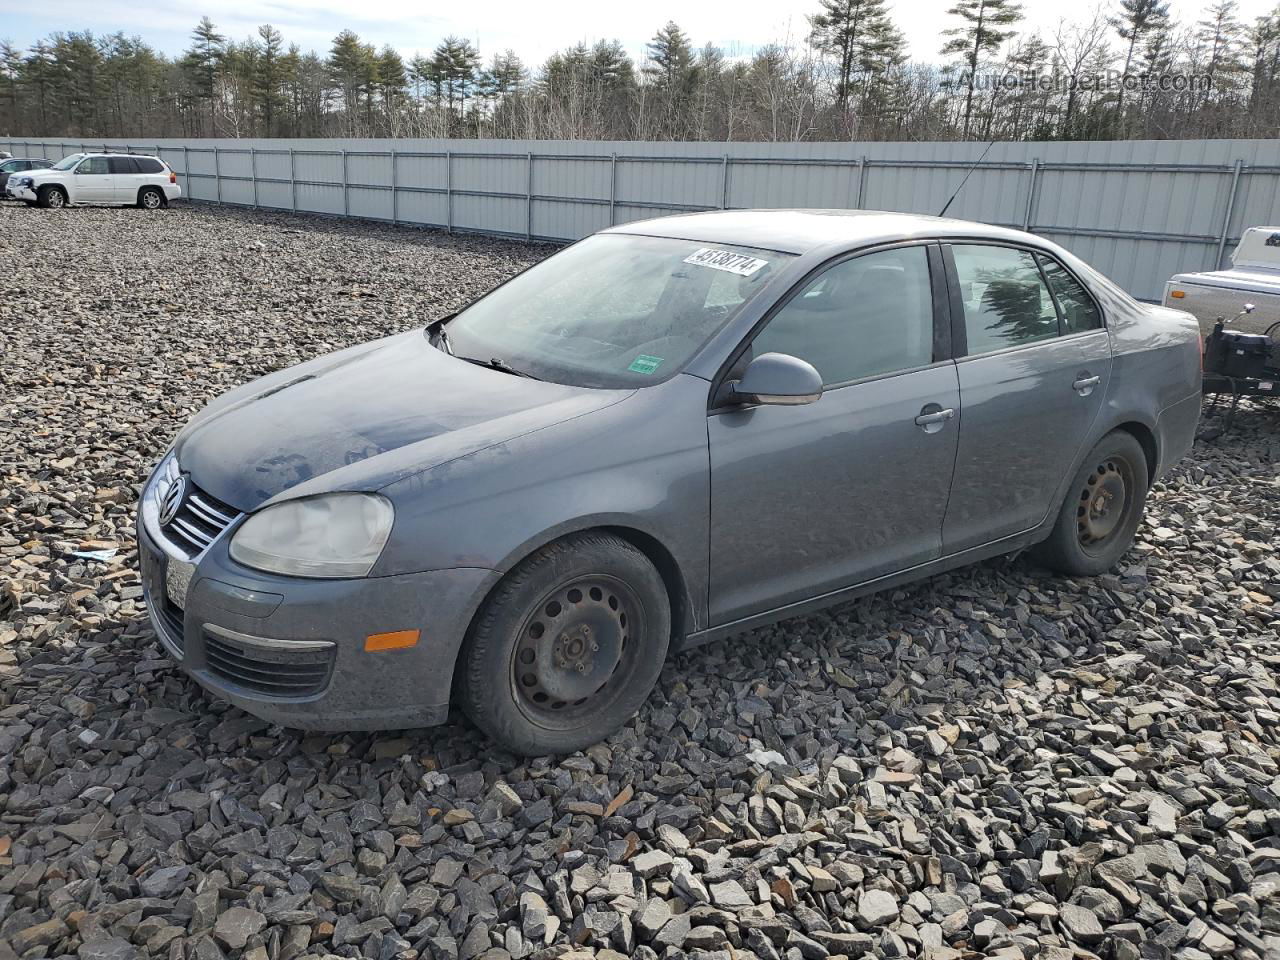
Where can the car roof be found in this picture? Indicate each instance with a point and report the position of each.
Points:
(149, 156)
(800, 231)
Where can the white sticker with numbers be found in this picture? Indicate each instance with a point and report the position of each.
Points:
(726, 260)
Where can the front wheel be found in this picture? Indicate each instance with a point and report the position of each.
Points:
(567, 647)
(1102, 509)
(55, 198)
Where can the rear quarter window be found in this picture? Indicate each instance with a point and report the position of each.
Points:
(148, 165)
(1079, 312)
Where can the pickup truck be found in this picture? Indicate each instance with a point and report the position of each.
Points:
(1254, 278)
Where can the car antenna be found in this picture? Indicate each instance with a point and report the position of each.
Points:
(974, 166)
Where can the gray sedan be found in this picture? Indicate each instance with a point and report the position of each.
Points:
(670, 432)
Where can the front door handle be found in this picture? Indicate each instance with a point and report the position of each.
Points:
(1084, 385)
(932, 417)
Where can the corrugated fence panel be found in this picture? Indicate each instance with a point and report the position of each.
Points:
(1138, 210)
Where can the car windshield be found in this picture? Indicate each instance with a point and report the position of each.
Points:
(614, 310)
(66, 163)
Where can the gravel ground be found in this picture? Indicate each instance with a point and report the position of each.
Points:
(992, 763)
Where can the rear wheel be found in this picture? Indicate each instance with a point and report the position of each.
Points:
(1102, 509)
(54, 198)
(150, 198)
(567, 647)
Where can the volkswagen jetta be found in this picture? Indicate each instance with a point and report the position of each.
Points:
(669, 432)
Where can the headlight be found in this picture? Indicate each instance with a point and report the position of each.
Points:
(335, 535)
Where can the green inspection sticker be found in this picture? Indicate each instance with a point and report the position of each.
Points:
(645, 364)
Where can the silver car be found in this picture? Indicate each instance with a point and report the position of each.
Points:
(669, 432)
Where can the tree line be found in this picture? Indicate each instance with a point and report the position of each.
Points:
(848, 78)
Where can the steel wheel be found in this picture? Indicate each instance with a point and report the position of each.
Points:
(1103, 503)
(574, 649)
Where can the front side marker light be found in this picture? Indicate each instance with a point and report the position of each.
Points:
(396, 640)
(1177, 294)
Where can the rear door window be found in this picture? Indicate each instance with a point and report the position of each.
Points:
(123, 165)
(1005, 301)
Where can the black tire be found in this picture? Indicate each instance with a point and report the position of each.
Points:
(1101, 511)
(584, 610)
(151, 198)
(54, 197)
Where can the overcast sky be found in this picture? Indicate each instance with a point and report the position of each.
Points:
(534, 30)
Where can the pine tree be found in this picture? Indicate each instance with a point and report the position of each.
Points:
(670, 56)
(1219, 36)
(1264, 83)
(10, 69)
(674, 73)
(986, 28)
(352, 70)
(41, 72)
(455, 64)
(269, 78)
(1136, 20)
(203, 59)
(860, 36)
(391, 83)
(507, 73)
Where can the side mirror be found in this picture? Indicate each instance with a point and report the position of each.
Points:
(777, 378)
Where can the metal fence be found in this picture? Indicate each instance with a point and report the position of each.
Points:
(1138, 210)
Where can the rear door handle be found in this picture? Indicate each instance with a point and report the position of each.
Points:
(1084, 385)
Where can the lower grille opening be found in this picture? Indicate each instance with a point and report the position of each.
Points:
(284, 675)
(168, 620)
(171, 618)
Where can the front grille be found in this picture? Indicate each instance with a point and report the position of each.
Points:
(283, 674)
(199, 521)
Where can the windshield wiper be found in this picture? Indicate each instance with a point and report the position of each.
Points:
(495, 363)
(442, 337)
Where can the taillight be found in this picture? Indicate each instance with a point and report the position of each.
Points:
(173, 177)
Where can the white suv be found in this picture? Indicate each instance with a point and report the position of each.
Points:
(108, 178)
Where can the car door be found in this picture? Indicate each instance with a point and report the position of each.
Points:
(125, 180)
(93, 182)
(1034, 361)
(811, 498)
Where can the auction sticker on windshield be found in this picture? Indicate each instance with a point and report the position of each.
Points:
(726, 260)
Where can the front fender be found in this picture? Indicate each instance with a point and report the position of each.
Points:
(640, 465)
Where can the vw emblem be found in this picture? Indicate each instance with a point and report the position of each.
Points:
(172, 499)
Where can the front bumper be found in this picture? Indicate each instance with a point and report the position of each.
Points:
(18, 193)
(291, 650)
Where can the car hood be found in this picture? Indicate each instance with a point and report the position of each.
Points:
(363, 418)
